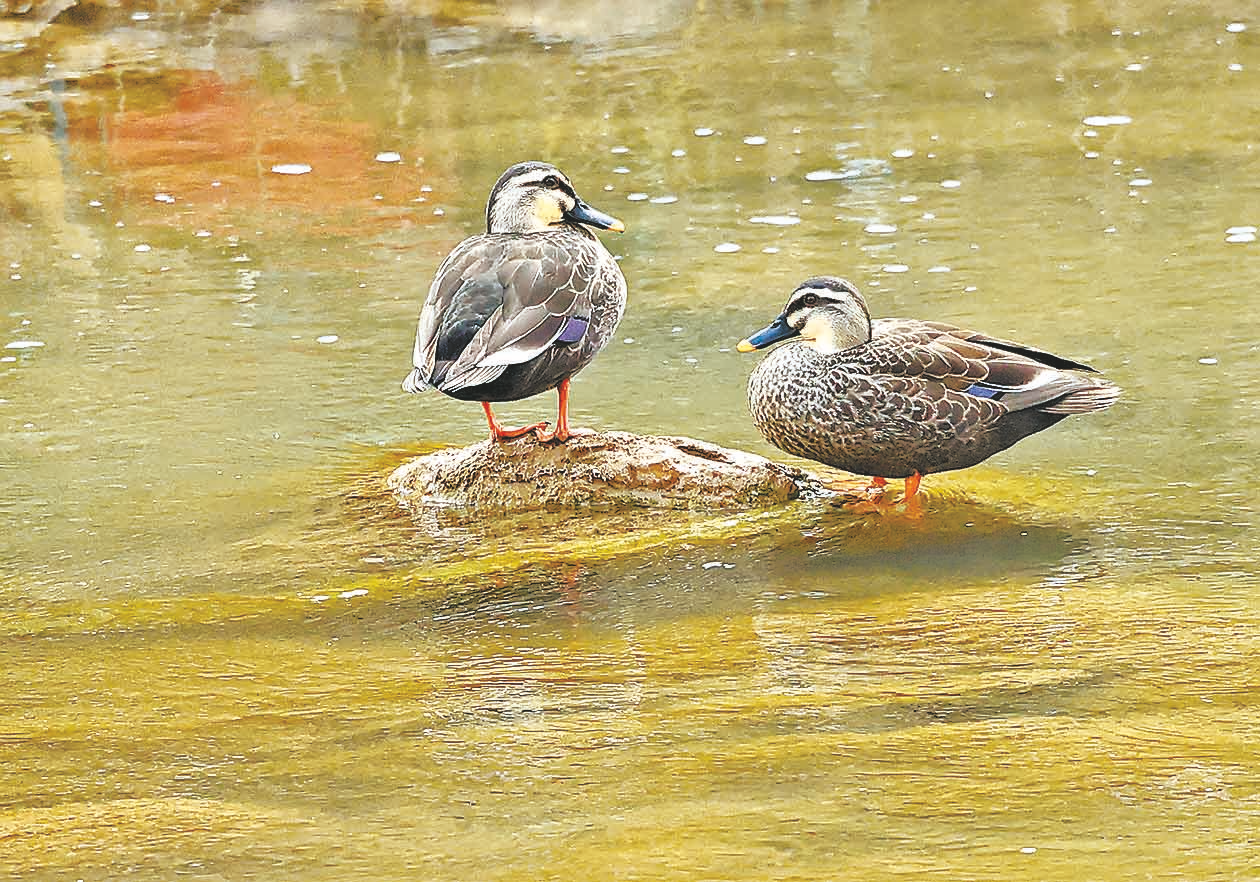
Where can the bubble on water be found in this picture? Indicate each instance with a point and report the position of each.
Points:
(1209, 360)
(970, 289)
(16, 277)
(1235, 27)
(902, 153)
(939, 269)
(1244, 229)
(663, 200)
(678, 151)
(1135, 66)
(824, 174)
(770, 249)
(1028, 849)
(951, 184)
(775, 220)
(1141, 182)
(202, 234)
(143, 248)
(703, 132)
(619, 149)
(1115, 119)
(908, 198)
(1235, 67)
(690, 360)
(164, 197)
(319, 598)
(928, 215)
(24, 344)
(1109, 229)
(726, 248)
(1090, 133)
(291, 168)
(755, 140)
(439, 212)
(637, 197)
(629, 341)
(1238, 238)
(95, 203)
(621, 170)
(327, 338)
(140, 16)
(710, 565)
(355, 592)
(74, 255)
(1091, 154)
(896, 268)
(880, 228)
(388, 156)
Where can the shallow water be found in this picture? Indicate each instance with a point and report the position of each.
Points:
(226, 656)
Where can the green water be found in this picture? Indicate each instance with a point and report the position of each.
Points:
(226, 655)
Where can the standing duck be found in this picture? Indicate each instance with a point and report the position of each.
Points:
(524, 306)
(899, 398)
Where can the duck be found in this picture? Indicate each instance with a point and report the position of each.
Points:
(903, 398)
(519, 309)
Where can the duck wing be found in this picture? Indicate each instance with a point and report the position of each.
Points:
(498, 301)
(1016, 376)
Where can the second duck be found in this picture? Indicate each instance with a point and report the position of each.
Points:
(900, 398)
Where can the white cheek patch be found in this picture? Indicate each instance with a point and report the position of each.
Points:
(819, 335)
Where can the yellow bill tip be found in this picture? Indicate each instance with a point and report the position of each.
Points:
(617, 226)
(745, 346)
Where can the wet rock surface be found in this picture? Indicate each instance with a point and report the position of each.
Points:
(597, 470)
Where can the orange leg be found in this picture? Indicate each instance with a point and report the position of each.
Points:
(913, 506)
(563, 430)
(498, 433)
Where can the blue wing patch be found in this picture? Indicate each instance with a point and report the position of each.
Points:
(983, 391)
(574, 330)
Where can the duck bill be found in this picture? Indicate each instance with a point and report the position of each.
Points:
(584, 214)
(778, 330)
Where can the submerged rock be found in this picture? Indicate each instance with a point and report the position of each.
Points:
(599, 470)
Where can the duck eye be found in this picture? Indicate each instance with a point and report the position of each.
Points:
(810, 300)
(551, 182)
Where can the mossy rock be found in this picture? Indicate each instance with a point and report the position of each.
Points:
(597, 471)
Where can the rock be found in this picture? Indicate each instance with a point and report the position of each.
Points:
(597, 470)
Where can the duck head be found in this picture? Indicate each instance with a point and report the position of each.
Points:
(827, 313)
(531, 197)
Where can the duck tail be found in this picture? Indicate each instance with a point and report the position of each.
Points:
(415, 382)
(1096, 396)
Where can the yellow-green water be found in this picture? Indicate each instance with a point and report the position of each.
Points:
(226, 656)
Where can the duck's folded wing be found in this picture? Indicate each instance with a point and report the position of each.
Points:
(1017, 376)
(511, 309)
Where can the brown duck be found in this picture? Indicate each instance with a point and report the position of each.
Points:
(521, 308)
(900, 398)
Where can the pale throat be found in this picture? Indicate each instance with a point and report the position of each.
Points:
(820, 335)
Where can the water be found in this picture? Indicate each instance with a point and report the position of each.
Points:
(227, 656)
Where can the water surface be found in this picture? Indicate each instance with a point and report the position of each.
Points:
(226, 656)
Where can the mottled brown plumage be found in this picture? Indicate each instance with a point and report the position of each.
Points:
(897, 398)
(520, 309)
